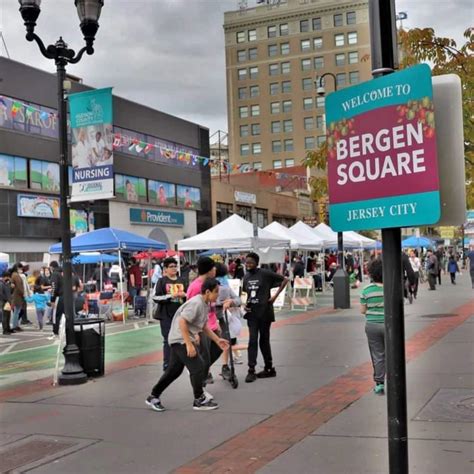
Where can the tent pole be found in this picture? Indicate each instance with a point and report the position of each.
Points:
(323, 250)
(148, 284)
(101, 270)
(121, 278)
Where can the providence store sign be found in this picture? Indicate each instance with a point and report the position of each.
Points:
(153, 217)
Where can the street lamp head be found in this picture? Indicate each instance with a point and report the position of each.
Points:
(89, 13)
(321, 91)
(30, 10)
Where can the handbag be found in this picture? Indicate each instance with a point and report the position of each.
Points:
(7, 307)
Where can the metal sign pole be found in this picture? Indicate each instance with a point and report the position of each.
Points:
(384, 59)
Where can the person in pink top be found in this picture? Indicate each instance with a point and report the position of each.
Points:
(209, 352)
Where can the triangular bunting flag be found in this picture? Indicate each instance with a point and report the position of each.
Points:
(148, 148)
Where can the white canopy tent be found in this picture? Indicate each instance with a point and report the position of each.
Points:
(298, 242)
(363, 241)
(304, 234)
(237, 233)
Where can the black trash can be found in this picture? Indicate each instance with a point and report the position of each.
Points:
(90, 338)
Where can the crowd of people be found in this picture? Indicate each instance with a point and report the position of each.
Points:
(201, 316)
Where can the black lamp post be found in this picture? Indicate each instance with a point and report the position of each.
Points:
(88, 12)
(341, 278)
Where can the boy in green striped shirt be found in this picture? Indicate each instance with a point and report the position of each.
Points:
(372, 306)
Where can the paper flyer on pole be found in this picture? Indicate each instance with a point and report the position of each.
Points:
(92, 145)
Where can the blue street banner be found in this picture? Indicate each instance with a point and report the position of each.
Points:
(92, 145)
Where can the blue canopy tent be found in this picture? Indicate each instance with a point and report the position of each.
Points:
(417, 242)
(110, 239)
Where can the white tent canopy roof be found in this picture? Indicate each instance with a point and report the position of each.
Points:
(233, 233)
(281, 231)
(304, 234)
(351, 238)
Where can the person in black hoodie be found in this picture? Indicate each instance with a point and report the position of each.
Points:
(408, 277)
(170, 294)
(5, 302)
(56, 295)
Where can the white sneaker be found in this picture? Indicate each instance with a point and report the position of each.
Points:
(208, 396)
(53, 337)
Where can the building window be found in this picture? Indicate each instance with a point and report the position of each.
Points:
(339, 40)
(340, 59)
(304, 26)
(252, 54)
(309, 143)
(244, 130)
(285, 48)
(288, 144)
(286, 106)
(354, 77)
(262, 217)
(286, 87)
(284, 29)
(320, 102)
(276, 164)
(242, 74)
(306, 64)
(307, 84)
(320, 140)
(252, 35)
(253, 72)
(242, 92)
(272, 31)
(351, 18)
(276, 127)
(255, 129)
(308, 123)
(272, 50)
(245, 212)
(244, 149)
(317, 25)
(352, 37)
(243, 112)
(274, 88)
(341, 79)
(317, 43)
(273, 69)
(319, 62)
(353, 57)
(275, 107)
(256, 148)
(240, 36)
(307, 103)
(276, 146)
(241, 55)
(320, 121)
(289, 162)
(257, 165)
(223, 211)
(255, 110)
(338, 19)
(254, 91)
(287, 126)
(305, 45)
(285, 68)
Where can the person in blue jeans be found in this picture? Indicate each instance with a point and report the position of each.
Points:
(41, 300)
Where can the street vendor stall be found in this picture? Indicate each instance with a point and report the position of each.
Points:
(111, 240)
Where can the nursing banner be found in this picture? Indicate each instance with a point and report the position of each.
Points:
(382, 158)
(92, 145)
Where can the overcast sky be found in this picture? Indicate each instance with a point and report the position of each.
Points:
(169, 54)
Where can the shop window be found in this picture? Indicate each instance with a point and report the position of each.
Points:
(44, 175)
(161, 193)
(245, 212)
(223, 211)
(130, 188)
(13, 172)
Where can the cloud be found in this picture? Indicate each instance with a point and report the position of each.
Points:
(169, 54)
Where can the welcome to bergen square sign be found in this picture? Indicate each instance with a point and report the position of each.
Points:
(382, 156)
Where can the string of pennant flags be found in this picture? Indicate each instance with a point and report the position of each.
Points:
(139, 146)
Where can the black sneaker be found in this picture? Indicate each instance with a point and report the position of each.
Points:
(251, 377)
(225, 372)
(154, 403)
(204, 404)
(267, 373)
